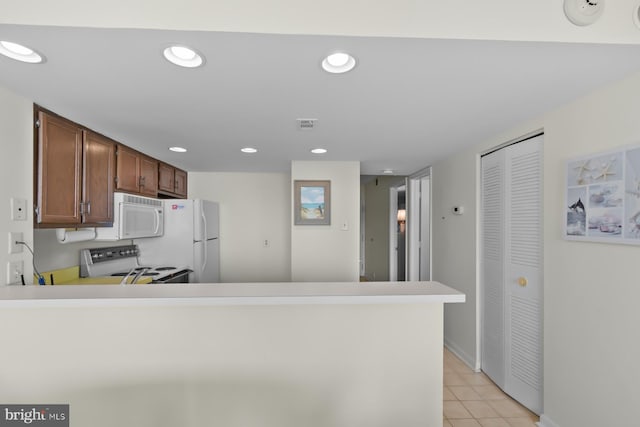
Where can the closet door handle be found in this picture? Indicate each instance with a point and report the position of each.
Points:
(522, 281)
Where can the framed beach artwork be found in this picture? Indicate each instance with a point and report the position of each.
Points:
(312, 202)
(603, 197)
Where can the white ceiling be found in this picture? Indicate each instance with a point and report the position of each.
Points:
(408, 103)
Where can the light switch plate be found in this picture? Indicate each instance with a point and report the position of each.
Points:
(15, 269)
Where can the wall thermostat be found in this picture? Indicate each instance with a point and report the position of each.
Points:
(457, 210)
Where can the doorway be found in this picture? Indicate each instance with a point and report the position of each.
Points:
(375, 233)
(395, 235)
(398, 233)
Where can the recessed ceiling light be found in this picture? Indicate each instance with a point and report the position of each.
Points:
(249, 150)
(387, 171)
(183, 56)
(319, 151)
(337, 63)
(178, 149)
(20, 53)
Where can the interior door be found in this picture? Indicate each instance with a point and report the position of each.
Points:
(511, 295)
(523, 273)
(492, 238)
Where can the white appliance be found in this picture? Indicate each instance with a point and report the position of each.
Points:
(134, 217)
(190, 238)
(122, 261)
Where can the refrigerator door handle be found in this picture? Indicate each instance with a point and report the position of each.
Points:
(204, 241)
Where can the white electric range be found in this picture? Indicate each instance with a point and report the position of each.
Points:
(122, 261)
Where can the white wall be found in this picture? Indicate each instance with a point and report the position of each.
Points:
(16, 172)
(254, 207)
(454, 249)
(53, 255)
(328, 253)
(591, 290)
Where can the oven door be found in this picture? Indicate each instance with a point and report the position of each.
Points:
(181, 276)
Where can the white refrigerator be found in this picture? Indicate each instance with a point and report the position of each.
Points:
(191, 239)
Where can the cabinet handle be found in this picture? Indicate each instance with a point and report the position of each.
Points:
(88, 208)
(522, 281)
(81, 208)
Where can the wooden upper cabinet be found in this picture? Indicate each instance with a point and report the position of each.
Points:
(59, 163)
(181, 183)
(172, 181)
(127, 169)
(75, 174)
(99, 155)
(166, 177)
(148, 176)
(136, 173)
(77, 171)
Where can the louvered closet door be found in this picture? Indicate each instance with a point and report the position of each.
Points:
(492, 238)
(523, 273)
(511, 292)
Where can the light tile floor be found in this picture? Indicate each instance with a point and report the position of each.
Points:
(472, 400)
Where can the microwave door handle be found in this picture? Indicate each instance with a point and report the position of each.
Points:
(156, 220)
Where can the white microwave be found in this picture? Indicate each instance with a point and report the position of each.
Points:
(134, 217)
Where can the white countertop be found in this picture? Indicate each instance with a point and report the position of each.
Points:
(231, 294)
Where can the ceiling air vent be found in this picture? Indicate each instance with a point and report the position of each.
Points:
(306, 124)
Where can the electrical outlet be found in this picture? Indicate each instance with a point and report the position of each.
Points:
(15, 269)
(15, 236)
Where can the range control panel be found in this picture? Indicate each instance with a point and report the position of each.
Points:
(104, 261)
(111, 253)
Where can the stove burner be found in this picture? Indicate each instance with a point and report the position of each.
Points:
(164, 268)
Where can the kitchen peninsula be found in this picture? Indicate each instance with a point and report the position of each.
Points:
(267, 354)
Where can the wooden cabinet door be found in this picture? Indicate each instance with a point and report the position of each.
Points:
(98, 177)
(127, 169)
(181, 183)
(148, 176)
(166, 178)
(59, 171)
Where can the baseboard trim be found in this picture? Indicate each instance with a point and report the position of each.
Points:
(468, 360)
(546, 422)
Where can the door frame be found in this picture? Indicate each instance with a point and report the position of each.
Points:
(418, 226)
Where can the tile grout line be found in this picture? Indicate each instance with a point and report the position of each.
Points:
(479, 402)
